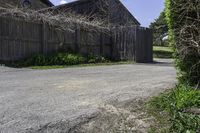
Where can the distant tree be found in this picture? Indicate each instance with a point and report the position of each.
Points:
(160, 30)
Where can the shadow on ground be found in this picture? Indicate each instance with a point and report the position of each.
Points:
(161, 62)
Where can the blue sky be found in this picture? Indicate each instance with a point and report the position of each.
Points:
(146, 11)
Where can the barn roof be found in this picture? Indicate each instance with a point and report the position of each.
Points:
(47, 2)
(122, 5)
(80, 2)
(15, 3)
(74, 3)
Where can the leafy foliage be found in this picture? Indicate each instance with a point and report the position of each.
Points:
(160, 30)
(183, 21)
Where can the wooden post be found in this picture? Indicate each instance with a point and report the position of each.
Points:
(151, 44)
(77, 39)
(44, 39)
(112, 40)
(111, 43)
(101, 43)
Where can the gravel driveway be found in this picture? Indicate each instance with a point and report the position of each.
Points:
(58, 100)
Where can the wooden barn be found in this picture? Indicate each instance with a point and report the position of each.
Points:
(123, 38)
(110, 11)
(30, 4)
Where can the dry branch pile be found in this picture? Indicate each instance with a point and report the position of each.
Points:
(189, 36)
(61, 21)
(184, 22)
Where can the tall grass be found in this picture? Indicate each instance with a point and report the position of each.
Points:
(170, 110)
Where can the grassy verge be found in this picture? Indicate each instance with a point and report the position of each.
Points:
(81, 65)
(162, 52)
(63, 60)
(172, 111)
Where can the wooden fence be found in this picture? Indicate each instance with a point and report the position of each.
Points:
(20, 39)
(133, 43)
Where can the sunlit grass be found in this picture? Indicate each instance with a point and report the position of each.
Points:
(162, 52)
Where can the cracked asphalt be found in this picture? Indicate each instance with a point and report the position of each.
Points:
(57, 100)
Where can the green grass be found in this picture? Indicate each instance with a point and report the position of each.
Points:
(63, 60)
(162, 52)
(169, 111)
(81, 65)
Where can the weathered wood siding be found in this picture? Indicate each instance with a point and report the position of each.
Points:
(119, 14)
(133, 43)
(20, 39)
(144, 45)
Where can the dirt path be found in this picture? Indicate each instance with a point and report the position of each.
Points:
(78, 99)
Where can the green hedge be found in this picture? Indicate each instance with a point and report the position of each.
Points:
(61, 59)
(184, 32)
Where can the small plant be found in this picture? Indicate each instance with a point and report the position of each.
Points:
(93, 59)
(61, 59)
(169, 110)
(37, 60)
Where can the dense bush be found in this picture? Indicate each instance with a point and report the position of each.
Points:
(184, 30)
(61, 59)
(175, 103)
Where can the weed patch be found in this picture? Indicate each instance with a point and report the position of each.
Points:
(60, 59)
(63, 60)
(169, 110)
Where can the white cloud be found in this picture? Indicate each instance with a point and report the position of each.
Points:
(63, 1)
